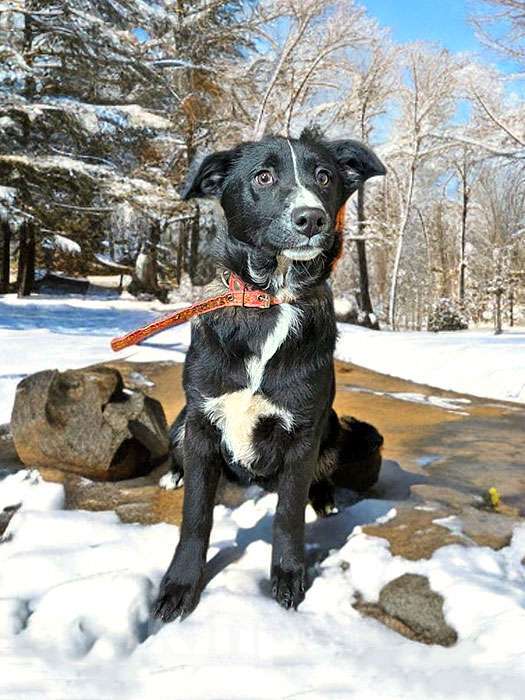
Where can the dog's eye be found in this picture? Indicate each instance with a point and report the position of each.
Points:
(323, 176)
(264, 178)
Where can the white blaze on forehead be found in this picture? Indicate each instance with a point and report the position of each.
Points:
(302, 197)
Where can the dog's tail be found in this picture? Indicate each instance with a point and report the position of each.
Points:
(350, 458)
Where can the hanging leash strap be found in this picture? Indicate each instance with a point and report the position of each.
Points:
(239, 294)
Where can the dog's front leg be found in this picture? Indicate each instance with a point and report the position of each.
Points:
(288, 528)
(181, 586)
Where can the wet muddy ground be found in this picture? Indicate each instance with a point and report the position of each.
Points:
(442, 453)
(431, 436)
(449, 438)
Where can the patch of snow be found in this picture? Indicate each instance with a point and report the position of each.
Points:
(28, 490)
(475, 362)
(344, 306)
(66, 244)
(449, 404)
(49, 333)
(388, 516)
(76, 588)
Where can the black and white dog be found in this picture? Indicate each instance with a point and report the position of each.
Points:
(260, 383)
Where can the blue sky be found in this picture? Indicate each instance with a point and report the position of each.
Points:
(443, 21)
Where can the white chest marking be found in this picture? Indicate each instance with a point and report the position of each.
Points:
(255, 365)
(236, 414)
(302, 197)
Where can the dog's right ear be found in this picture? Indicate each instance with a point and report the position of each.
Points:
(205, 178)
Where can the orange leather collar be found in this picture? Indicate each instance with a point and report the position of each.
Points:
(239, 294)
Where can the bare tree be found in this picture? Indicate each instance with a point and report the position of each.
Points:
(5, 271)
(500, 25)
(373, 78)
(290, 71)
(427, 101)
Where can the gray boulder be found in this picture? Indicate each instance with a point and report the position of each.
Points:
(85, 422)
(410, 607)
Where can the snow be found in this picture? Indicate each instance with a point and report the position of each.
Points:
(76, 587)
(50, 333)
(18, 490)
(66, 245)
(475, 362)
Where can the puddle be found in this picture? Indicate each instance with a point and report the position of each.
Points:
(427, 460)
(450, 404)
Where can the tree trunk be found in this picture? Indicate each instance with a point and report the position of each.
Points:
(397, 261)
(181, 252)
(26, 261)
(145, 275)
(462, 241)
(365, 303)
(194, 245)
(6, 258)
(497, 314)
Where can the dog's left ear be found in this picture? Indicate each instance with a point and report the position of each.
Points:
(357, 163)
(206, 177)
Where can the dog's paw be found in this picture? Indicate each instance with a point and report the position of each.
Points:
(288, 587)
(175, 600)
(171, 481)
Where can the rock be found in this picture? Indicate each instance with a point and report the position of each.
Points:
(83, 421)
(83, 494)
(485, 528)
(412, 534)
(377, 612)
(5, 516)
(447, 496)
(8, 458)
(53, 474)
(139, 500)
(410, 599)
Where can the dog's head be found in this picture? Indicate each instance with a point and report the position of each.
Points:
(280, 199)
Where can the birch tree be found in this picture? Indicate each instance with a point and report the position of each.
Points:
(373, 78)
(290, 71)
(426, 103)
(500, 25)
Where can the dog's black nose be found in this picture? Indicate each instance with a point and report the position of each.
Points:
(309, 220)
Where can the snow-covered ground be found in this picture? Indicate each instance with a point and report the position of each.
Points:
(473, 362)
(75, 587)
(41, 333)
